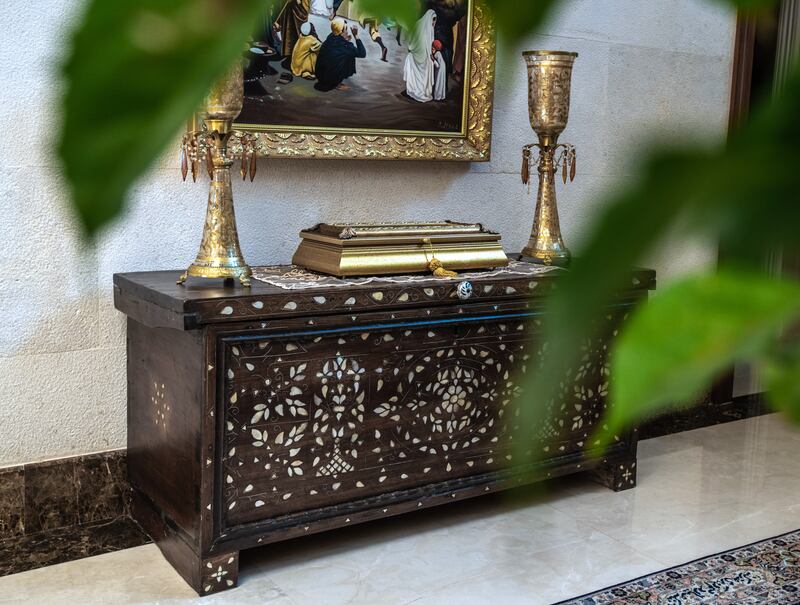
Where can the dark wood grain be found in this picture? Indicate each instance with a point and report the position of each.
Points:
(165, 391)
(154, 299)
(742, 74)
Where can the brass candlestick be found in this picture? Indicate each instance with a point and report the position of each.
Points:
(549, 79)
(216, 146)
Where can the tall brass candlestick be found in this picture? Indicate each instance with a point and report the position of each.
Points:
(220, 255)
(549, 82)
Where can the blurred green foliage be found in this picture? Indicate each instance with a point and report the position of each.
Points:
(138, 68)
(672, 347)
(136, 71)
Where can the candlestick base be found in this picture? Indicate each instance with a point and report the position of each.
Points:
(555, 258)
(242, 274)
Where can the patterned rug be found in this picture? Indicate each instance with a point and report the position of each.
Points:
(766, 573)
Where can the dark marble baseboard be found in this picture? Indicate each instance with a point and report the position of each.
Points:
(66, 509)
(704, 414)
(68, 544)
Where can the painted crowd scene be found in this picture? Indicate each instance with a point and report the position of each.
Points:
(329, 64)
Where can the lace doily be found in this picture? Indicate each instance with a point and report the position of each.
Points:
(292, 277)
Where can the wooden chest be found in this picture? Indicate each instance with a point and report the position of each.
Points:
(293, 407)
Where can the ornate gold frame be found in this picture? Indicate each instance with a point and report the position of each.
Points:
(473, 144)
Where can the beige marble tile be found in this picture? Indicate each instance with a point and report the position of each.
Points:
(400, 560)
(700, 492)
(548, 576)
(134, 576)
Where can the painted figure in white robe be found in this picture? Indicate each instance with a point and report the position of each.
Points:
(323, 8)
(418, 71)
(440, 72)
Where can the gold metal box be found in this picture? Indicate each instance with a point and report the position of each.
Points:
(353, 249)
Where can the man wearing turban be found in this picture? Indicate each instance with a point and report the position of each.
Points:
(304, 56)
(337, 57)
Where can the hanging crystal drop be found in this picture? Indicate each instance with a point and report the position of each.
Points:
(209, 162)
(526, 167)
(572, 168)
(243, 167)
(184, 162)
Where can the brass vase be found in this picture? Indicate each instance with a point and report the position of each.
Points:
(549, 82)
(220, 255)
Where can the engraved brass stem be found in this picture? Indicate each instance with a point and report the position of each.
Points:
(549, 80)
(220, 255)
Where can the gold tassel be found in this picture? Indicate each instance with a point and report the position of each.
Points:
(564, 169)
(572, 168)
(253, 159)
(438, 269)
(243, 167)
(194, 170)
(435, 265)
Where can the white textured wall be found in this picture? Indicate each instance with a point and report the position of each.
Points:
(643, 64)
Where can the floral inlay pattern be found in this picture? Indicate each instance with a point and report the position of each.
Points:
(219, 573)
(329, 418)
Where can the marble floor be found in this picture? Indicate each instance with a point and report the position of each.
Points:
(699, 492)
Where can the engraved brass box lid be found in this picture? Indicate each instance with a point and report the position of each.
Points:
(355, 249)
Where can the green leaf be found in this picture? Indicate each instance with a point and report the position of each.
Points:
(782, 380)
(136, 71)
(678, 343)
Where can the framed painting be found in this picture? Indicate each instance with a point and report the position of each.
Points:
(324, 79)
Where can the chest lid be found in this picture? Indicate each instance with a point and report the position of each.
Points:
(154, 299)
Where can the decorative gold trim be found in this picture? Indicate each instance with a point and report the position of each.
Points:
(326, 257)
(473, 144)
(544, 53)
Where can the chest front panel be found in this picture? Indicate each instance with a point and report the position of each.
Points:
(317, 418)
